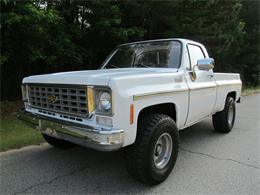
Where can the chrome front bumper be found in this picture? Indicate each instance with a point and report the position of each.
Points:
(87, 136)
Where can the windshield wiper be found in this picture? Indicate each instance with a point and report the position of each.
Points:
(112, 66)
(142, 65)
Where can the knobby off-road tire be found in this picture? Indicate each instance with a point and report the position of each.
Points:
(58, 143)
(224, 121)
(144, 158)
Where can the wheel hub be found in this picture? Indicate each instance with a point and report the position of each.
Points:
(163, 150)
(158, 150)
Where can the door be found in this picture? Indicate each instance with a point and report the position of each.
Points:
(202, 89)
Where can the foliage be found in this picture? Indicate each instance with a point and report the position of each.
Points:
(250, 54)
(250, 90)
(43, 36)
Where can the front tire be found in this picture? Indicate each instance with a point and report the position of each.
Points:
(58, 143)
(224, 121)
(153, 155)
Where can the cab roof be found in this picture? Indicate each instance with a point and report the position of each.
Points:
(159, 40)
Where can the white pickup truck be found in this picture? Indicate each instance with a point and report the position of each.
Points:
(143, 94)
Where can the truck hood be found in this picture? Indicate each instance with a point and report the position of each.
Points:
(94, 77)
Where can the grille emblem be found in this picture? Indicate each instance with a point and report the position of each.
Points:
(52, 98)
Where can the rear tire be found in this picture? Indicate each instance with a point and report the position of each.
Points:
(224, 121)
(153, 155)
(58, 143)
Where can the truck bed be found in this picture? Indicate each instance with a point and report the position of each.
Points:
(227, 82)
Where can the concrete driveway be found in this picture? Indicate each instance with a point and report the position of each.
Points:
(208, 163)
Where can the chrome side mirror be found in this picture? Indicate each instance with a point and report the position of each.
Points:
(202, 64)
(205, 64)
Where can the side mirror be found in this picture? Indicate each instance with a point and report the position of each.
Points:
(202, 64)
(205, 64)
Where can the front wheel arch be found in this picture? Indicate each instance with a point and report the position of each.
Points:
(168, 109)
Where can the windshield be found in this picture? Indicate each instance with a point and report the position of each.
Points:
(158, 54)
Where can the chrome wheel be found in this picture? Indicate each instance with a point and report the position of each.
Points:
(230, 115)
(163, 150)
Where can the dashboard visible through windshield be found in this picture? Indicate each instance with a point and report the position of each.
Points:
(157, 54)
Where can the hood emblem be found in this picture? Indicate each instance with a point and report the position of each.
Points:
(52, 98)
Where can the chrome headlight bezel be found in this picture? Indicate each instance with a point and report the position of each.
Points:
(103, 100)
(25, 95)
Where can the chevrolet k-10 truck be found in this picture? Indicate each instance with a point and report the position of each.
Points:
(143, 94)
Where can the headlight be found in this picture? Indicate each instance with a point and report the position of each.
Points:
(24, 92)
(103, 101)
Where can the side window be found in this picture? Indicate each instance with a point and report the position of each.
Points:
(195, 53)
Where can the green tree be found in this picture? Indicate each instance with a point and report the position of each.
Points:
(33, 40)
(43, 36)
(250, 50)
(100, 25)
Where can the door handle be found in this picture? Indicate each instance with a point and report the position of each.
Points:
(210, 76)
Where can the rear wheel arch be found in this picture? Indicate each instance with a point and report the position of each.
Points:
(224, 120)
(232, 94)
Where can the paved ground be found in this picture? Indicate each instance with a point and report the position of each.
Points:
(208, 162)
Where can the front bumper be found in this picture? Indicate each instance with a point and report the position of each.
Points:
(87, 136)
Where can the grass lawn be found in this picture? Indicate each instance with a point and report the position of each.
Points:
(250, 90)
(13, 132)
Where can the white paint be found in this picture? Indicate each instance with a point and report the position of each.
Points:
(194, 100)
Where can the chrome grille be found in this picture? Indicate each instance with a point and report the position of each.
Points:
(68, 100)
